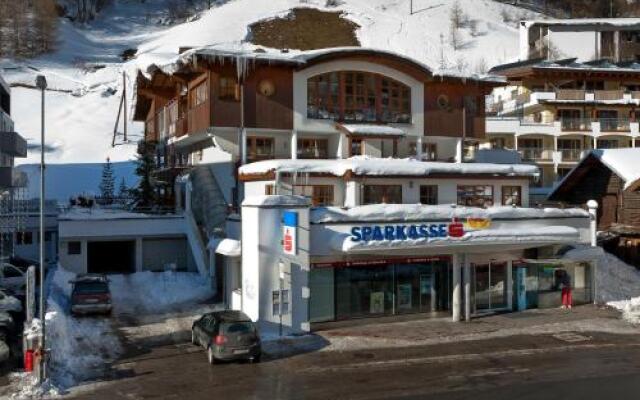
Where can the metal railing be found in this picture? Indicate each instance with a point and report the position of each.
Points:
(571, 154)
(534, 153)
(614, 124)
(575, 124)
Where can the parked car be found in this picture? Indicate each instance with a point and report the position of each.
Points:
(90, 295)
(227, 335)
(13, 279)
(9, 303)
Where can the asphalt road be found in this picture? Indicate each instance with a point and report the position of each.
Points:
(567, 367)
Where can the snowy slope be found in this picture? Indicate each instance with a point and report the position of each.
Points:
(81, 112)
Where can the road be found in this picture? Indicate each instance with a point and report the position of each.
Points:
(568, 366)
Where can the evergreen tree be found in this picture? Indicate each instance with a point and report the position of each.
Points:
(123, 190)
(144, 194)
(107, 184)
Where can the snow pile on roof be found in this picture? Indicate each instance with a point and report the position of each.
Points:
(546, 235)
(227, 247)
(623, 162)
(363, 165)
(97, 213)
(584, 21)
(419, 212)
(373, 130)
(276, 201)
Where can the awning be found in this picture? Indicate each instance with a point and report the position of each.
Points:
(370, 130)
(487, 237)
(226, 247)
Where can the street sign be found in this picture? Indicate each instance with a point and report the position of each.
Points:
(290, 232)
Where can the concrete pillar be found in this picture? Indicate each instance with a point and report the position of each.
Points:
(593, 225)
(595, 142)
(294, 145)
(467, 289)
(515, 142)
(459, 150)
(457, 290)
(139, 255)
(633, 141)
(419, 148)
(510, 285)
(243, 146)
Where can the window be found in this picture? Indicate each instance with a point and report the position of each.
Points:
(512, 195)
(357, 147)
(429, 194)
(376, 194)
(359, 97)
(199, 94)
(608, 144)
(269, 190)
(429, 150)
(24, 238)
(74, 248)
(562, 172)
(228, 89)
(313, 148)
(320, 195)
(475, 195)
(260, 149)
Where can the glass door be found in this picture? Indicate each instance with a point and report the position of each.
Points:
(489, 287)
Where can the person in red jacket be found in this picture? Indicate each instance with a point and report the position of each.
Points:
(565, 284)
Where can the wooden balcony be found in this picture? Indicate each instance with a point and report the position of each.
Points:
(199, 117)
(570, 94)
(609, 94)
(181, 126)
(451, 124)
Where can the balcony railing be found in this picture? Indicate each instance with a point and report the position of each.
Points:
(570, 94)
(535, 154)
(614, 124)
(571, 154)
(576, 124)
(198, 117)
(609, 94)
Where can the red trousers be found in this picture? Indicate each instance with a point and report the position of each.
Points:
(566, 297)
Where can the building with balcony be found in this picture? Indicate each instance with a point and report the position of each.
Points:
(351, 191)
(554, 112)
(12, 182)
(613, 39)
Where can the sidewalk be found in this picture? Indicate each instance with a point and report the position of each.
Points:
(428, 331)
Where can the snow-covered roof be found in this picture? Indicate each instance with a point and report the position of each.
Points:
(363, 165)
(623, 162)
(619, 22)
(371, 130)
(226, 247)
(276, 201)
(529, 235)
(419, 212)
(81, 213)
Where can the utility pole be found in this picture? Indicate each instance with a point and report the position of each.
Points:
(410, 7)
(124, 96)
(41, 83)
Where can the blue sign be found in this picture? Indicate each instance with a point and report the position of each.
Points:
(290, 218)
(405, 232)
(290, 232)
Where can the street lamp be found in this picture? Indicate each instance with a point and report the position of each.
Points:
(41, 83)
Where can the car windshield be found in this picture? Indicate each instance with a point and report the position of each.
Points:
(230, 328)
(91, 287)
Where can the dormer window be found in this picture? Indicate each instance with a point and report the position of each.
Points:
(228, 89)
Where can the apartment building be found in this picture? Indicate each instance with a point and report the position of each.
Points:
(613, 39)
(351, 193)
(554, 112)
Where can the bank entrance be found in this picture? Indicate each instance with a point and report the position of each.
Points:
(373, 288)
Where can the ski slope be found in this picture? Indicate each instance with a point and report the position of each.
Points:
(85, 73)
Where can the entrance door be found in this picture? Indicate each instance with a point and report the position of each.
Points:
(489, 284)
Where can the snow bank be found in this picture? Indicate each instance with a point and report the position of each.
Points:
(154, 292)
(419, 212)
(363, 165)
(81, 348)
(617, 283)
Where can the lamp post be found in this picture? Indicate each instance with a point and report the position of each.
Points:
(41, 83)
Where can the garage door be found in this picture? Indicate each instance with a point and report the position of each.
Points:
(164, 254)
(117, 257)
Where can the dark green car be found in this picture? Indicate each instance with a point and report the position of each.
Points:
(227, 335)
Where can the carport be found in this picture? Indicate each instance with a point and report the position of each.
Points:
(111, 257)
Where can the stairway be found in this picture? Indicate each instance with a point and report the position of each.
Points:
(205, 214)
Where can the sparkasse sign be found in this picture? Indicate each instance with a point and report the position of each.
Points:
(452, 229)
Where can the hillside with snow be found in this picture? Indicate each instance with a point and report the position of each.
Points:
(85, 72)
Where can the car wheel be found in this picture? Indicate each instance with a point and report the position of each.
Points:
(210, 357)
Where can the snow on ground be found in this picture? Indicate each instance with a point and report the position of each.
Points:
(617, 283)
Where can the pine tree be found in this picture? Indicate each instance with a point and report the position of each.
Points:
(107, 184)
(123, 190)
(144, 195)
